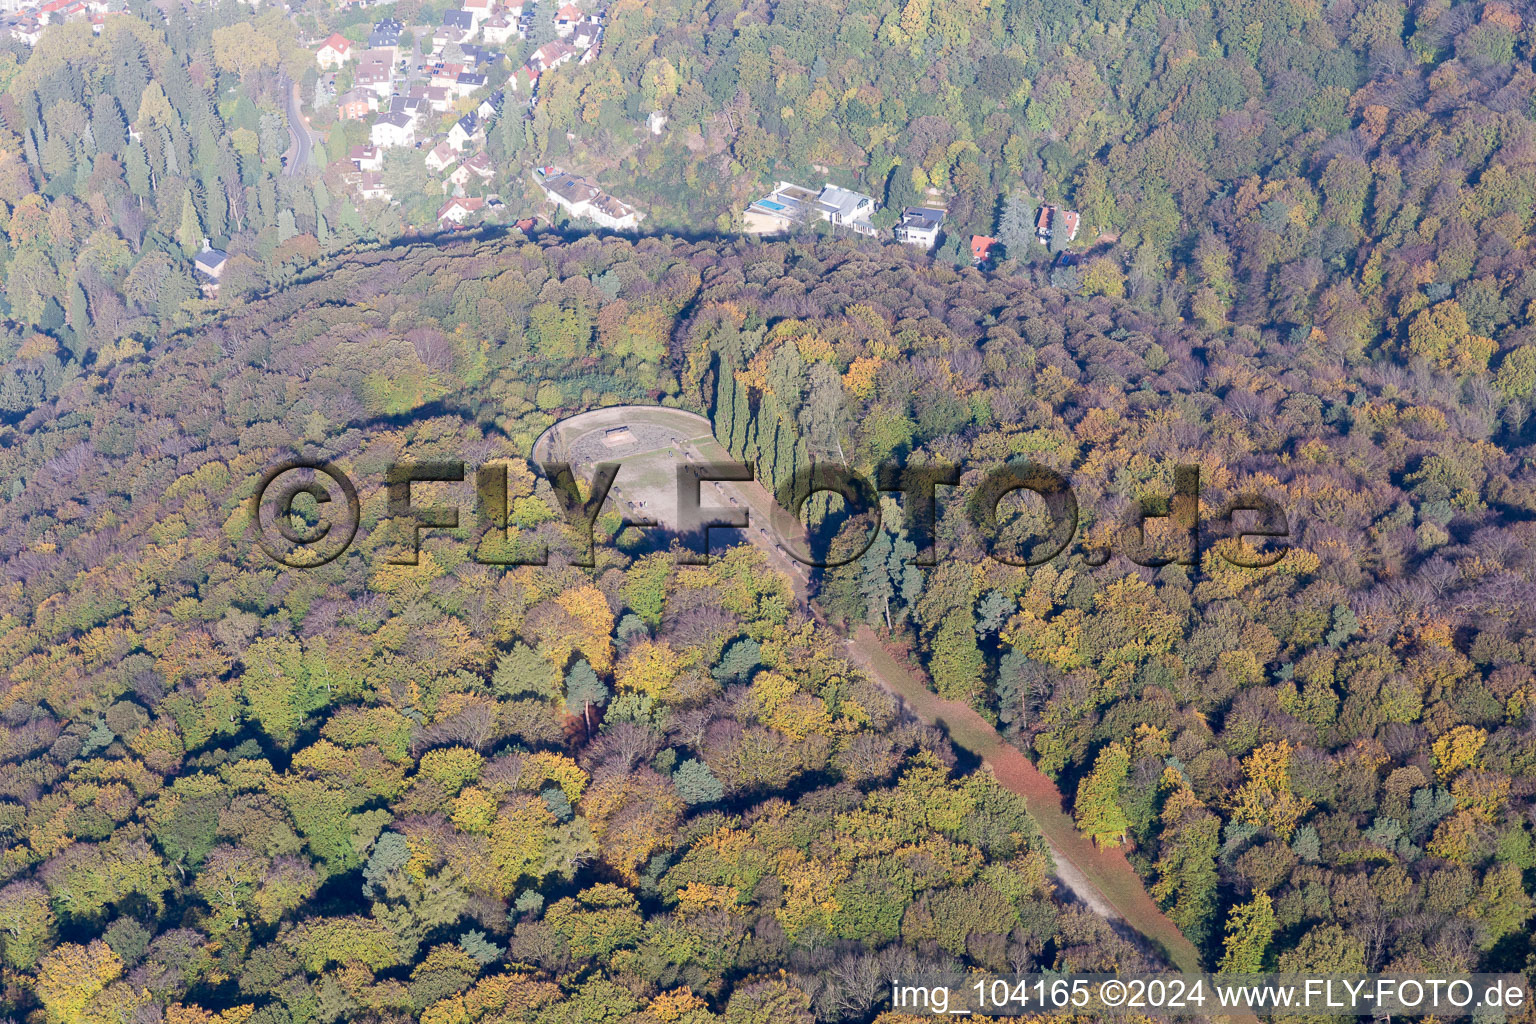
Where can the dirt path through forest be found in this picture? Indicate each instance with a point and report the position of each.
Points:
(1103, 879)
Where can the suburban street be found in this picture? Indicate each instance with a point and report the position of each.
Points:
(297, 156)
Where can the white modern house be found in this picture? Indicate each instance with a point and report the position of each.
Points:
(920, 226)
(790, 205)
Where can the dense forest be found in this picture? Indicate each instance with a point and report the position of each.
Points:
(642, 792)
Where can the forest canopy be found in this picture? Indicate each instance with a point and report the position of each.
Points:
(468, 792)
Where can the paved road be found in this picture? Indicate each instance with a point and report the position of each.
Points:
(297, 157)
(1102, 879)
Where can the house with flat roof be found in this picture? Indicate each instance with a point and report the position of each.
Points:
(790, 205)
(920, 226)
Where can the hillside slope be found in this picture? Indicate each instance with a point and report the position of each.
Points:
(367, 790)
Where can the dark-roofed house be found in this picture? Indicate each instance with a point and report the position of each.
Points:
(463, 131)
(209, 264)
(920, 226)
(210, 261)
(386, 35)
(393, 130)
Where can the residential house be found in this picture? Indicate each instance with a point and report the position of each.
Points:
(498, 30)
(845, 208)
(458, 209)
(477, 57)
(457, 26)
(480, 166)
(489, 106)
(393, 130)
(441, 157)
(581, 197)
(438, 98)
(27, 30)
(386, 36)
(464, 130)
(552, 55)
(371, 186)
(367, 158)
(210, 262)
(355, 104)
(790, 205)
(457, 180)
(208, 266)
(524, 79)
(566, 20)
(375, 73)
(467, 83)
(610, 213)
(1052, 219)
(920, 226)
(585, 37)
(447, 75)
(478, 10)
(411, 105)
(981, 249)
(334, 52)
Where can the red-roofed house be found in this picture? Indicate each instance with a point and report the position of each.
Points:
(1052, 219)
(551, 55)
(566, 20)
(334, 52)
(981, 248)
(457, 210)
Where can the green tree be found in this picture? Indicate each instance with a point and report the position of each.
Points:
(1250, 927)
(1098, 809)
